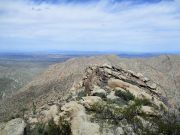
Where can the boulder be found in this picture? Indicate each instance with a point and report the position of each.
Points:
(107, 66)
(107, 70)
(132, 72)
(139, 75)
(148, 110)
(145, 79)
(112, 96)
(119, 131)
(14, 127)
(88, 101)
(97, 91)
(72, 108)
(113, 83)
(81, 127)
(142, 121)
(80, 124)
(47, 115)
(53, 110)
(44, 107)
(129, 130)
(151, 85)
(2, 125)
(107, 131)
(33, 120)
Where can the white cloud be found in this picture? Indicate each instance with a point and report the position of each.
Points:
(102, 25)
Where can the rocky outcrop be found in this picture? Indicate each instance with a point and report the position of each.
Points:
(13, 127)
(106, 102)
(110, 78)
(108, 87)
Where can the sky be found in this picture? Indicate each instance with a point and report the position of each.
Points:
(138, 26)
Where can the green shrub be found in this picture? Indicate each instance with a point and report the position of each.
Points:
(101, 95)
(81, 94)
(64, 127)
(52, 128)
(125, 95)
(40, 129)
(108, 112)
(131, 111)
(142, 102)
(168, 124)
(118, 101)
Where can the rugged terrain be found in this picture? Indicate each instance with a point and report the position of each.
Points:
(89, 91)
(17, 70)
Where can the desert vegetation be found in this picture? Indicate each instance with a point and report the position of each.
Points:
(167, 123)
(51, 128)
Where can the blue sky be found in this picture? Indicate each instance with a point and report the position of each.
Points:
(90, 25)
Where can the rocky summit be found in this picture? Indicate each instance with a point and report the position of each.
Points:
(93, 96)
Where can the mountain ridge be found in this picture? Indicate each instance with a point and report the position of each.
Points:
(57, 81)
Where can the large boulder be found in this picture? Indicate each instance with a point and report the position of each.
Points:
(119, 131)
(72, 108)
(88, 101)
(47, 115)
(80, 124)
(14, 127)
(151, 85)
(129, 130)
(113, 83)
(97, 91)
(148, 110)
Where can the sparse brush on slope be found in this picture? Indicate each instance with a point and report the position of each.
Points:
(63, 128)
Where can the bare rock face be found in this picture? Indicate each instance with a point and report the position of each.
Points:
(14, 127)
